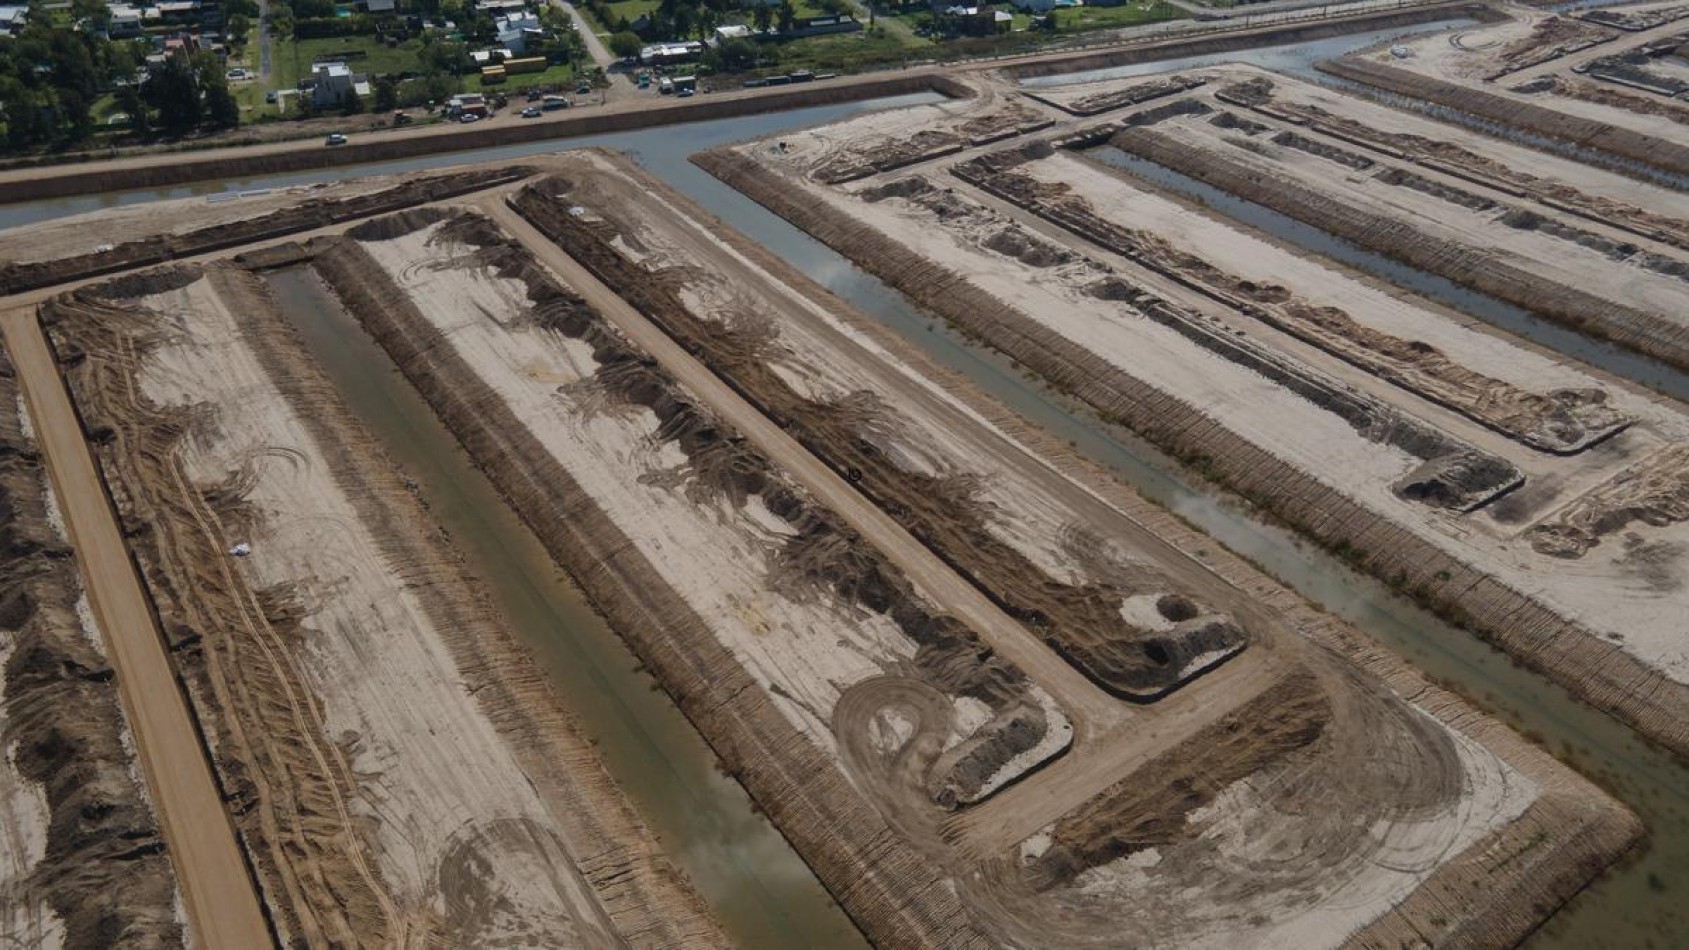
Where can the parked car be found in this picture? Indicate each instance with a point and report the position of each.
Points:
(532, 112)
(270, 96)
(468, 117)
(335, 138)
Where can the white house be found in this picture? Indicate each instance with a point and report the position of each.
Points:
(125, 21)
(334, 82)
(515, 29)
(380, 6)
(12, 19)
(732, 31)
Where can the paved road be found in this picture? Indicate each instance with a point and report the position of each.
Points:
(217, 891)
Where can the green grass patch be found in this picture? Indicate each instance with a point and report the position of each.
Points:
(1107, 18)
(847, 52)
(290, 60)
(562, 74)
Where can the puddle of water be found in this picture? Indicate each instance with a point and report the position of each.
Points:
(755, 884)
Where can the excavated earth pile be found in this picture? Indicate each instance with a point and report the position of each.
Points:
(539, 844)
(1130, 859)
(1570, 652)
(1598, 137)
(1463, 163)
(892, 891)
(307, 215)
(1082, 623)
(1561, 422)
(1484, 270)
(1455, 475)
(94, 871)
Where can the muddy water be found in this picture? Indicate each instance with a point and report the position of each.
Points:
(1516, 320)
(754, 883)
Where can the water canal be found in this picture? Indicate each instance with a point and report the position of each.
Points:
(749, 876)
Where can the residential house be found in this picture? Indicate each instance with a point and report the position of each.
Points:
(12, 19)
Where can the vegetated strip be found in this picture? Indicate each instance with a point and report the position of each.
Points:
(103, 866)
(1639, 147)
(245, 163)
(308, 214)
(895, 895)
(1572, 655)
(1465, 264)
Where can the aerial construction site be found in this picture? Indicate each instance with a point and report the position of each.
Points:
(761, 407)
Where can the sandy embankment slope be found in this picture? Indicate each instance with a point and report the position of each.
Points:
(403, 771)
(1306, 464)
(817, 345)
(81, 857)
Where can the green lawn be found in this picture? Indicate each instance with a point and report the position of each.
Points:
(562, 74)
(291, 60)
(1105, 18)
(841, 52)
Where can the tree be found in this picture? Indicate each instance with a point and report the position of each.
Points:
(762, 17)
(172, 90)
(788, 16)
(221, 109)
(625, 44)
(386, 93)
(237, 28)
(129, 100)
(737, 54)
(351, 103)
(94, 12)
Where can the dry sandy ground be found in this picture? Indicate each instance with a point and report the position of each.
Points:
(1628, 588)
(446, 827)
(718, 555)
(1250, 890)
(85, 233)
(1471, 56)
(1534, 251)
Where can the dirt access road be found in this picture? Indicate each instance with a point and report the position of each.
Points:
(217, 889)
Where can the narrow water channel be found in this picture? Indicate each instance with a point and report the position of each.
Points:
(756, 885)
(1498, 313)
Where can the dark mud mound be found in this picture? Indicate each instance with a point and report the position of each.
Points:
(1461, 481)
(391, 226)
(1135, 814)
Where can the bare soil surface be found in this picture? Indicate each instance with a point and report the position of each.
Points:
(1322, 721)
(217, 890)
(82, 859)
(397, 769)
(1186, 325)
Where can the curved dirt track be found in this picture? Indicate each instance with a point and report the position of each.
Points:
(221, 903)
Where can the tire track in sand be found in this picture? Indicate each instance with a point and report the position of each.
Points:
(217, 889)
